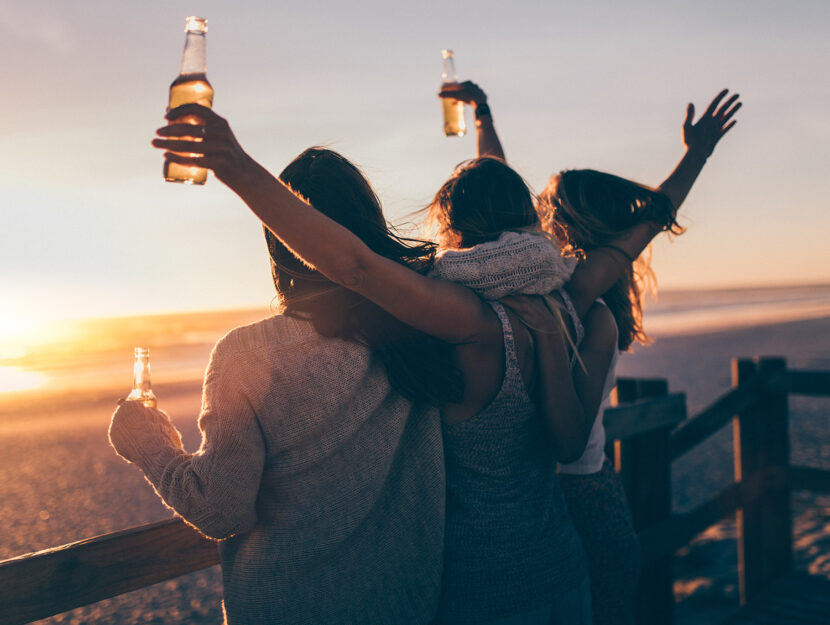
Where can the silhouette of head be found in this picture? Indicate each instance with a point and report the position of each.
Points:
(483, 198)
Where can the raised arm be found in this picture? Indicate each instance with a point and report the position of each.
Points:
(699, 139)
(442, 309)
(487, 140)
(602, 267)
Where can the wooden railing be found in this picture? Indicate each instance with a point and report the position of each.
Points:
(649, 430)
(758, 408)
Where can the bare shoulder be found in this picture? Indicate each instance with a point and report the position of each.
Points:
(600, 326)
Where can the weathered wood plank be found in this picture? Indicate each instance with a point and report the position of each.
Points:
(693, 431)
(808, 382)
(678, 530)
(645, 472)
(810, 478)
(37, 585)
(761, 438)
(644, 415)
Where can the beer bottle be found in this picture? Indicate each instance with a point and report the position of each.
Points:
(191, 85)
(454, 125)
(141, 379)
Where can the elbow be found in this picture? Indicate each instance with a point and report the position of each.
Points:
(568, 453)
(569, 446)
(222, 526)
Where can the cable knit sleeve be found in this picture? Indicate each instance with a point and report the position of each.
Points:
(215, 488)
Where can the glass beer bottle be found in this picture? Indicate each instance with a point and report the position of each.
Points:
(191, 85)
(142, 390)
(454, 124)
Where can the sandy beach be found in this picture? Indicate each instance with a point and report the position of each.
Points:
(63, 482)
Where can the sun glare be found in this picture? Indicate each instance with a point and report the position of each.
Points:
(15, 333)
(16, 379)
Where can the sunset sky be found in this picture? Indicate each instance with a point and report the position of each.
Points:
(90, 229)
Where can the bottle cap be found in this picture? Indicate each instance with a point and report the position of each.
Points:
(193, 24)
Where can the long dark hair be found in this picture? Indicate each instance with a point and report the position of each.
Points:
(483, 198)
(587, 209)
(419, 366)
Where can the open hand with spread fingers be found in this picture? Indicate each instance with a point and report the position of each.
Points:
(702, 136)
(211, 144)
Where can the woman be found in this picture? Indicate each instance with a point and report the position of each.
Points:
(589, 212)
(511, 540)
(494, 362)
(483, 339)
(321, 467)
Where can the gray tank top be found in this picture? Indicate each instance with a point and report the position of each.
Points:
(510, 545)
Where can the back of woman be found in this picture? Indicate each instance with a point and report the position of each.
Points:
(509, 544)
(349, 504)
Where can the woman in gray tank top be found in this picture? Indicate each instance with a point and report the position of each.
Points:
(511, 549)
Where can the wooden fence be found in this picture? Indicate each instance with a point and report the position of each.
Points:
(649, 430)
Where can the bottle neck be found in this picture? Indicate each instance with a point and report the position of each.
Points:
(194, 57)
(141, 374)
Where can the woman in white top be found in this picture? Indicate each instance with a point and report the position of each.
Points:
(590, 212)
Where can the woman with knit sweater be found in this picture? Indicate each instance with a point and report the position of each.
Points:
(511, 551)
(587, 211)
(321, 470)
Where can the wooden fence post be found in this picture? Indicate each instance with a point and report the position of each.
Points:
(645, 471)
(762, 443)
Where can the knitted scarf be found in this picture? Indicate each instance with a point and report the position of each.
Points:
(516, 263)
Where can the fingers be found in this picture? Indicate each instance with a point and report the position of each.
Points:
(728, 127)
(690, 115)
(725, 106)
(467, 91)
(725, 118)
(182, 130)
(714, 104)
(189, 147)
(204, 113)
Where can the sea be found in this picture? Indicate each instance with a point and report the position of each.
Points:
(87, 354)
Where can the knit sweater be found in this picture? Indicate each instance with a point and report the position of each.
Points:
(517, 263)
(324, 486)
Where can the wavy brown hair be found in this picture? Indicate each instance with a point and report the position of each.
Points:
(483, 198)
(586, 210)
(419, 367)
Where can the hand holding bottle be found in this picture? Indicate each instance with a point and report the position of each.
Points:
(215, 146)
(191, 85)
(467, 92)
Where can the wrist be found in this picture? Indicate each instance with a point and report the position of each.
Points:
(245, 175)
(482, 109)
(697, 156)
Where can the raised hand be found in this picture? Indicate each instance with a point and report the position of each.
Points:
(700, 138)
(211, 144)
(467, 92)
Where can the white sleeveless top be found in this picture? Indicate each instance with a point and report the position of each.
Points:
(593, 457)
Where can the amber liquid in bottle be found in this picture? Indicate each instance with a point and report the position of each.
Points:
(191, 86)
(187, 89)
(454, 123)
